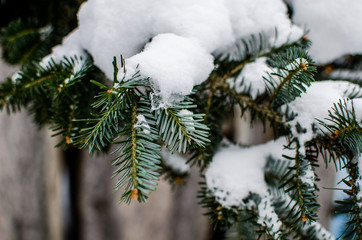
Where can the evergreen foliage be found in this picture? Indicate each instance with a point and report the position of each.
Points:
(78, 103)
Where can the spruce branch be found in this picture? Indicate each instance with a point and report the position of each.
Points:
(138, 160)
(217, 107)
(285, 206)
(113, 105)
(352, 204)
(221, 218)
(298, 183)
(262, 111)
(37, 86)
(329, 151)
(259, 45)
(179, 128)
(24, 41)
(344, 128)
(294, 73)
(314, 230)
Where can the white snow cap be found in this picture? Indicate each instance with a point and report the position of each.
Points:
(335, 27)
(236, 172)
(252, 76)
(172, 41)
(268, 216)
(175, 161)
(174, 65)
(315, 103)
(70, 47)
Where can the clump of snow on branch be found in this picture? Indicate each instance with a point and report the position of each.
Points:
(70, 47)
(167, 62)
(235, 171)
(15, 76)
(314, 104)
(142, 124)
(307, 177)
(251, 78)
(172, 41)
(321, 232)
(175, 161)
(268, 217)
(188, 119)
(342, 34)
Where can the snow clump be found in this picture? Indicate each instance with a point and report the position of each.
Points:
(172, 42)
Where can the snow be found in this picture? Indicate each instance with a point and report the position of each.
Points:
(174, 65)
(335, 27)
(268, 217)
(187, 115)
(236, 171)
(314, 230)
(251, 77)
(172, 41)
(247, 17)
(314, 104)
(307, 177)
(16, 76)
(347, 74)
(142, 123)
(175, 161)
(70, 47)
(321, 232)
(45, 31)
(357, 106)
(359, 181)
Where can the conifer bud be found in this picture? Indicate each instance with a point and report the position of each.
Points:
(328, 69)
(68, 140)
(303, 66)
(335, 134)
(179, 180)
(134, 194)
